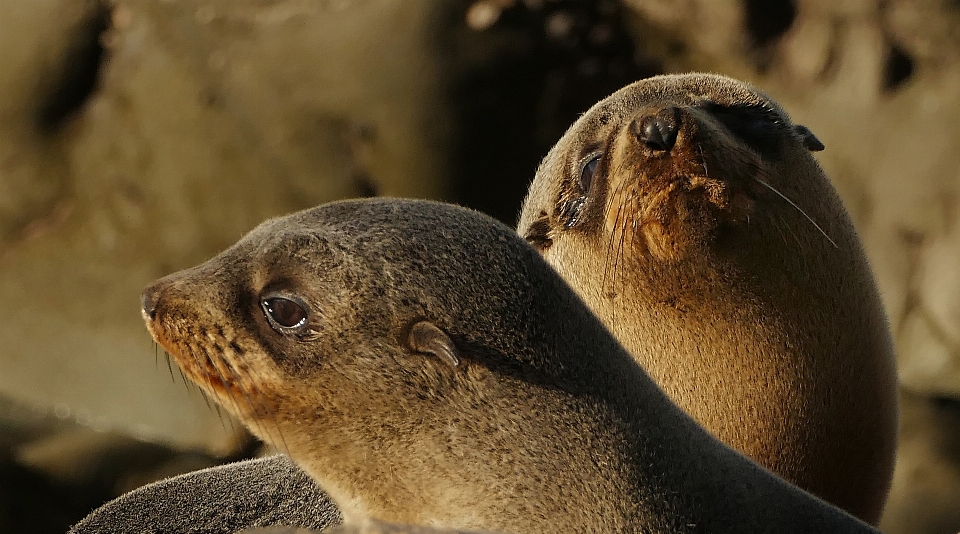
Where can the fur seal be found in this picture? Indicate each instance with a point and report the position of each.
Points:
(426, 366)
(689, 214)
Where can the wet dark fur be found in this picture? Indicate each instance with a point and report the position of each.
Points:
(542, 422)
(756, 314)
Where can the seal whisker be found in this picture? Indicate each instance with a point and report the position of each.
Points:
(792, 203)
(169, 366)
(609, 249)
(243, 385)
(216, 407)
(778, 228)
(257, 379)
(789, 229)
(203, 394)
(616, 226)
(183, 379)
(616, 246)
(207, 363)
(236, 378)
(201, 369)
(703, 161)
(205, 399)
(617, 263)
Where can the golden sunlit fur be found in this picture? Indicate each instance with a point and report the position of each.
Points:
(729, 268)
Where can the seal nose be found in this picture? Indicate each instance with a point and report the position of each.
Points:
(657, 131)
(149, 299)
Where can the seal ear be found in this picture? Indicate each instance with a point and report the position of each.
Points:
(809, 140)
(427, 338)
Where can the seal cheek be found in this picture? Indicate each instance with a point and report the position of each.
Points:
(661, 242)
(670, 232)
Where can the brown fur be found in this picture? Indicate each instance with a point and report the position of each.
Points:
(516, 411)
(767, 330)
(366, 527)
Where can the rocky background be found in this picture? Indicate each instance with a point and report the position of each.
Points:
(138, 137)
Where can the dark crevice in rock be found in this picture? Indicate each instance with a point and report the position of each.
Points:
(768, 20)
(366, 185)
(522, 82)
(897, 69)
(80, 72)
(948, 404)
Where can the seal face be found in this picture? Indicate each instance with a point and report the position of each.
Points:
(427, 367)
(689, 214)
(669, 165)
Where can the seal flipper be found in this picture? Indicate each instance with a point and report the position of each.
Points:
(219, 500)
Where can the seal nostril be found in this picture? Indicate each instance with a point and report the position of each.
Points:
(657, 132)
(653, 136)
(149, 299)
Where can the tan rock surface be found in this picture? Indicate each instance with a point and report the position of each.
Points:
(926, 484)
(209, 117)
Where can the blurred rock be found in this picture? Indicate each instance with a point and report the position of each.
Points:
(41, 68)
(54, 471)
(84, 458)
(926, 483)
(930, 335)
(207, 118)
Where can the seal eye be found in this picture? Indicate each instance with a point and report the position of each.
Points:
(588, 171)
(284, 312)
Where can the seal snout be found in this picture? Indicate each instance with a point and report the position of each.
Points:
(149, 299)
(657, 130)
